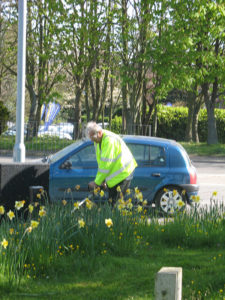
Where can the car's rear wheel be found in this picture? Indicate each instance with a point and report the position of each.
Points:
(170, 200)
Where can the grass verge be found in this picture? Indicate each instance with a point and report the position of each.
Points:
(111, 277)
(203, 149)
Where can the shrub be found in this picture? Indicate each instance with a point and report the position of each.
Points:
(4, 117)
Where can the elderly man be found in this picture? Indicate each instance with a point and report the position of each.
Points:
(116, 163)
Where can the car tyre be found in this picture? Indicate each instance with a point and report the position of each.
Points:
(170, 200)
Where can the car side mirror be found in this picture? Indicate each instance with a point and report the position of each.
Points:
(66, 165)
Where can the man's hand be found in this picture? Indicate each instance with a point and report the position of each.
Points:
(92, 185)
(104, 186)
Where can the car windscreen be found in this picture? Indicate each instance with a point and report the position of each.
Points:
(64, 151)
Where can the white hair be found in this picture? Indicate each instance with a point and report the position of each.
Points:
(92, 129)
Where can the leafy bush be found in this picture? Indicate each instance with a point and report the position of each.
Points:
(172, 122)
(4, 117)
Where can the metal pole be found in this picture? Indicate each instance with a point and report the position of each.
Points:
(19, 147)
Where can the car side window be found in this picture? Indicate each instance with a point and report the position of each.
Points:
(84, 158)
(157, 156)
(147, 155)
(141, 153)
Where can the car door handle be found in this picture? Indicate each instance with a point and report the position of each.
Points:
(156, 174)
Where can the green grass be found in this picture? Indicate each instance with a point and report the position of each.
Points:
(44, 144)
(203, 149)
(133, 277)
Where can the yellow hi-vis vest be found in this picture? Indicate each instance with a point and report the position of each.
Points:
(115, 161)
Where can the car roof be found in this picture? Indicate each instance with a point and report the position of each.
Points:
(146, 139)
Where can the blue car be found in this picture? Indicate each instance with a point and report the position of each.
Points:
(164, 174)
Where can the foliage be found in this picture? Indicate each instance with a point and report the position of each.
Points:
(4, 117)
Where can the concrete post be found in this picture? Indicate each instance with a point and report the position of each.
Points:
(168, 284)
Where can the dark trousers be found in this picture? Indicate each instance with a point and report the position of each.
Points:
(114, 195)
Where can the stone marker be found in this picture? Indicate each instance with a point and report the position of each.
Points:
(168, 284)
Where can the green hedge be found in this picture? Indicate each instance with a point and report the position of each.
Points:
(172, 123)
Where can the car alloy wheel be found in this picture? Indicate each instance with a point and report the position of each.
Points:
(170, 200)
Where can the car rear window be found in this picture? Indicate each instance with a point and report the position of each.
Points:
(148, 155)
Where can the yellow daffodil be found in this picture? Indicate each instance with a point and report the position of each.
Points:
(76, 205)
(30, 208)
(89, 204)
(4, 243)
(77, 187)
(19, 204)
(108, 223)
(121, 206)
(214, 193)
(180, 203)
(2, 210)
(145, 202)
(165, 190)
(129, 205)
(41, 191)
(36, 204)
(183, 192)
(11, 215)
(121, 201)
(102, 193)
(34, 224)
(118, 189)
(38, 196)
(64, 202)
(139, 196)
(197, 199)
(29, 229)
(96, 191)
(81, 223)
(136, 190)
(69, 190)
(128, 192)
(139, 208)
(11, 231)
(42, 213)
(174, 192)
(124, 212)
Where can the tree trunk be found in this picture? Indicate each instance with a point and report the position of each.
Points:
(197, 107)
(32, 114)
(155, 120)
(77, 115)
(189, 126)
(212, 137)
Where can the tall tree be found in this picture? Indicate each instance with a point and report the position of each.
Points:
(43, 68)
(200, 24)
